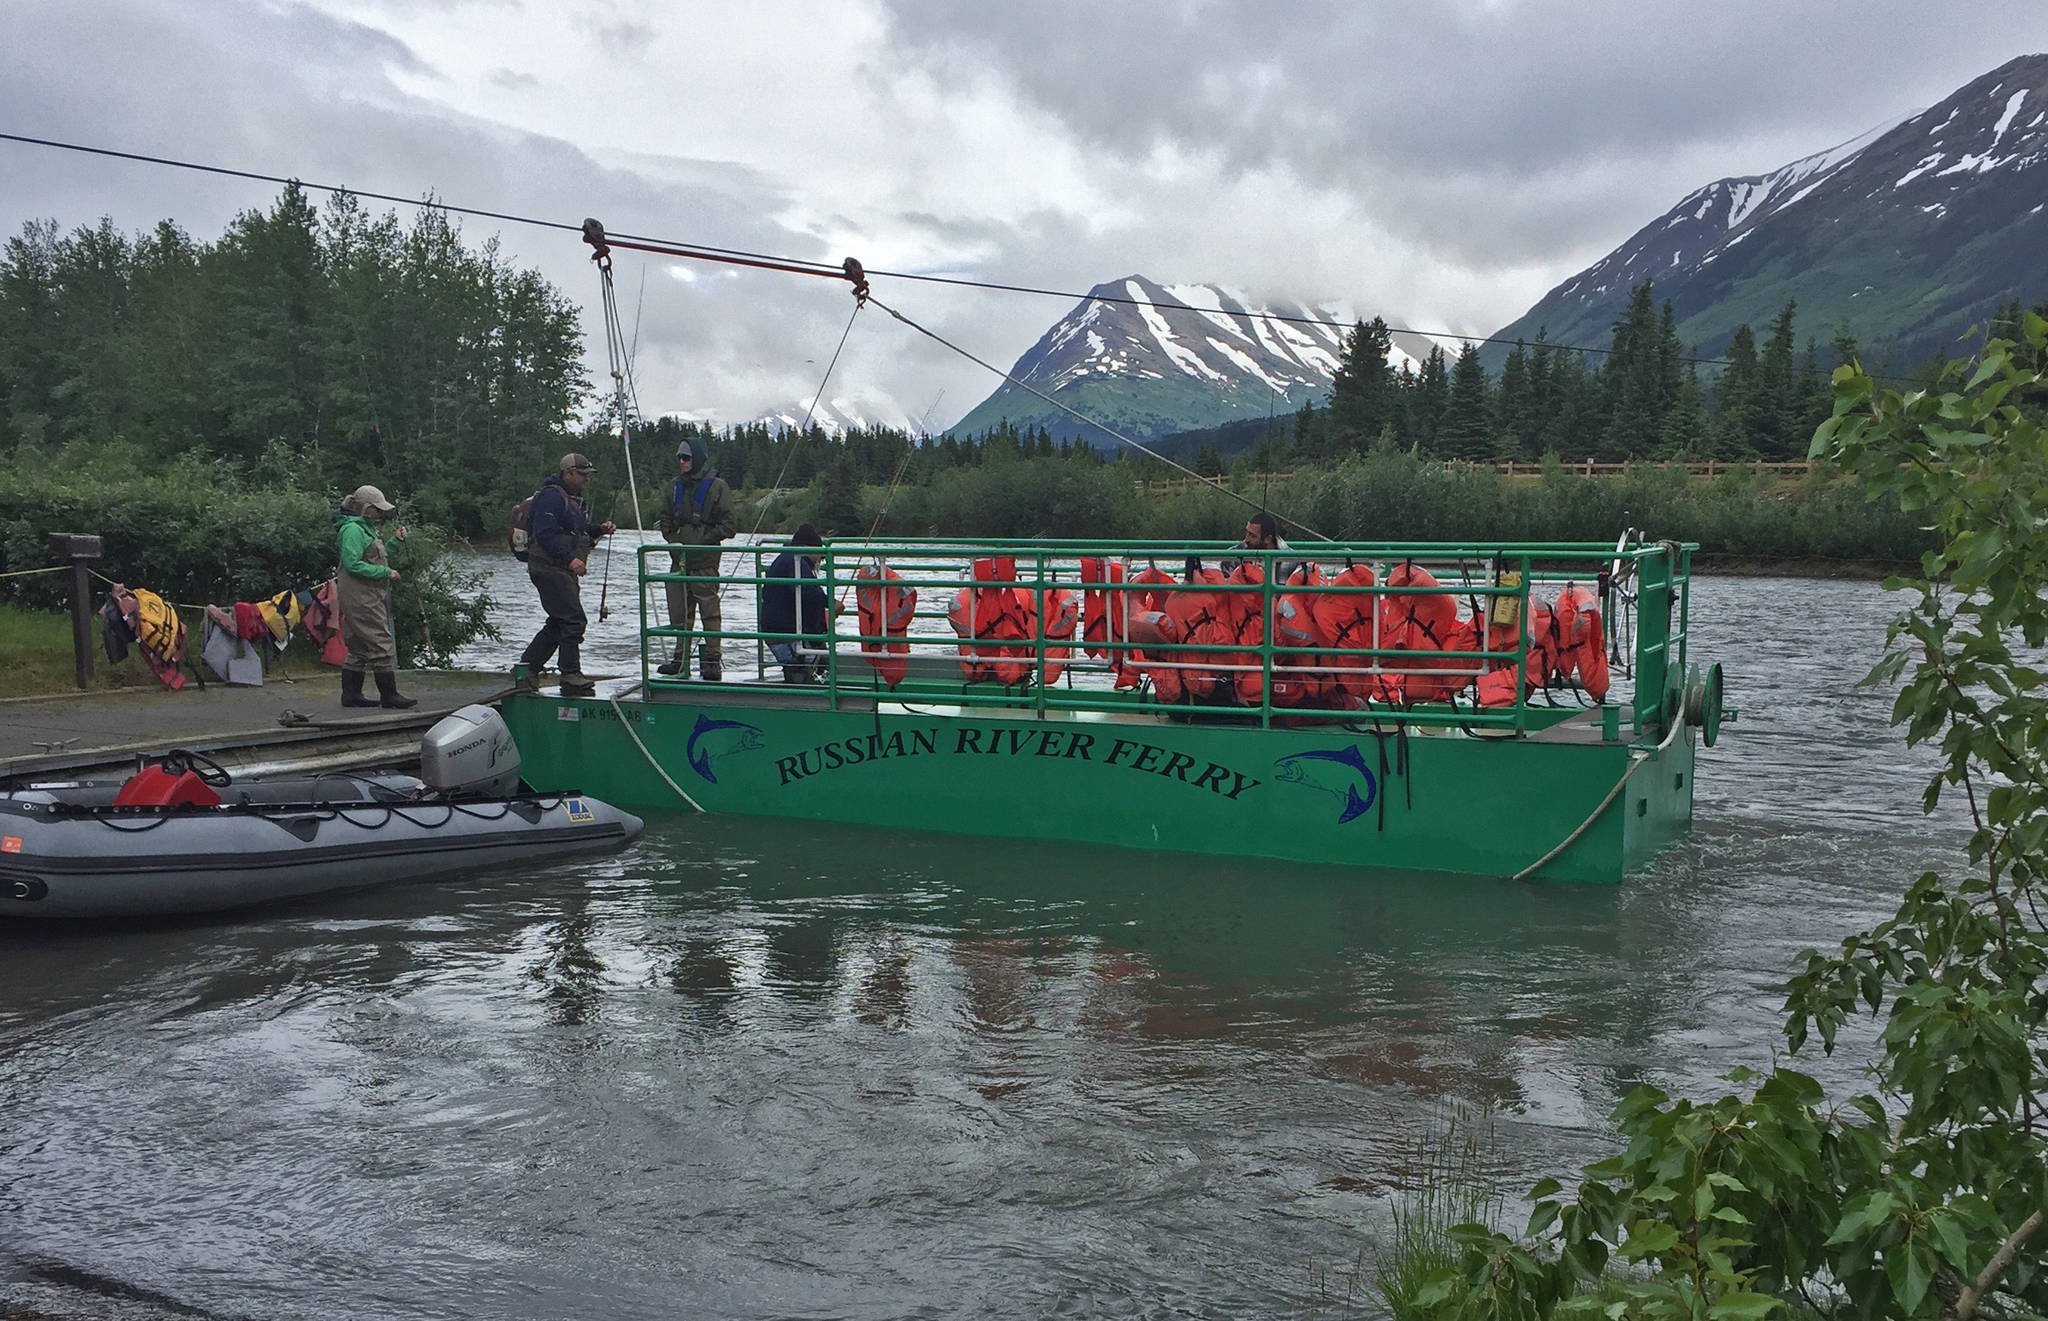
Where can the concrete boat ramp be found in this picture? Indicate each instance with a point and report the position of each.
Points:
(281, 728)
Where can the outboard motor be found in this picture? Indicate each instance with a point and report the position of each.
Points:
(470, 754)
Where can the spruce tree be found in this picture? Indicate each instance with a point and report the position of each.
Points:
(1778, 405)
(1362, 394)
(839, 499)
(1515, 407)
(1738, 405)
(1467, 419)
(1432, 399)
(1684, 435)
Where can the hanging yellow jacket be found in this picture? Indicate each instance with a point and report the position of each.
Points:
(157, 626)
(281, 614)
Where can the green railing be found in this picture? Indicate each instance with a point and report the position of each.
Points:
(1476, 574)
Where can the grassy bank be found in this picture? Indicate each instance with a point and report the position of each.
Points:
(36, 656)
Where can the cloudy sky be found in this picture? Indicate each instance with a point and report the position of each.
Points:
(1442, 163)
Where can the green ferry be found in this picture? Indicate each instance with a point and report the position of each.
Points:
(926, 721)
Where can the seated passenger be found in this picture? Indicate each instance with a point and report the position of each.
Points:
(797, 607)
(1262, 532)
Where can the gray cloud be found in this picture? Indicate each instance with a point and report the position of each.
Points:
(511, 80)
(261, 92)
(1498, 130)
(1443, 163)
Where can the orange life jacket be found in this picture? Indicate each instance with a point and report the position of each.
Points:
(1062, 613)
(886, 607)
(1344, 622)
(1581, 647)
(1202, 618)
(994, 621)
(1497, 686)
(1298, 679)
(1104, 610)
(1426, 623)
(1101, 610)
(1146, 597)
(1245, 612)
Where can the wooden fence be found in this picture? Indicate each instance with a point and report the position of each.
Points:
(1705, 470)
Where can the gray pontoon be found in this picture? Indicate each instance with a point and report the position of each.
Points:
(181, 836)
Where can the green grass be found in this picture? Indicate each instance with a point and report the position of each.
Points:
(36, 656)
(1451, 1182)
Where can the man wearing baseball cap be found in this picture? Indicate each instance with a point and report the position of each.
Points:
(362, 590)
(560, 537)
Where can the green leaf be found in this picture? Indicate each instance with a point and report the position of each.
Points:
(1646, 1239)
(1744, 1306)
(1861, 1215)
(1909, 1270)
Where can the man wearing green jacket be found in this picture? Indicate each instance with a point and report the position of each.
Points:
(699, 512)
(362, 591)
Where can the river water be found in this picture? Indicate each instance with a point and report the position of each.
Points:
(781, 1070)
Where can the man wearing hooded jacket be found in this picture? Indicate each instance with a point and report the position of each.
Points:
(699, 512)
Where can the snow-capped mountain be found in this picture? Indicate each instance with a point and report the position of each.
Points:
(842, 413)
(1909, 234)
(1150, 360)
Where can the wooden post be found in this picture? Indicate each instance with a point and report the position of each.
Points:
(81, 548)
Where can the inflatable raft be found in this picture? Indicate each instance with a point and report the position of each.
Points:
(182, 836)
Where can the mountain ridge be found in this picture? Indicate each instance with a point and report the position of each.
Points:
(1906, 235)
(1150, 360)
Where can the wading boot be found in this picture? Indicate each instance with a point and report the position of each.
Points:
(673, 665)
(388, 694)
(352, 689)
(712, 668)
(574, 684)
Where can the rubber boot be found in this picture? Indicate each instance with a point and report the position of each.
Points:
(712, 668)
(573, 682)
(388, 694)
(352, 689)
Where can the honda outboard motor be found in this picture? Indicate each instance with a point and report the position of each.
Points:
(470, 754)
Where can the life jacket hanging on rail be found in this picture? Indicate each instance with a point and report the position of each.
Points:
(1301, 679)
(1245, 613)
(1144, 620)
(1192, 617)
(1343, 621)
(996, 621)
(1426, 624)
(1062, 614)
(1581, 650)
(887, 605)
(1105, 612)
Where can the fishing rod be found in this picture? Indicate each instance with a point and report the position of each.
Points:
(604, 589)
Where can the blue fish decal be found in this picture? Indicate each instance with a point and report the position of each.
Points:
(1339, 772)
(713, 739)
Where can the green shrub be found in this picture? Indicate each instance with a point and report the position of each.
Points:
(200, 532)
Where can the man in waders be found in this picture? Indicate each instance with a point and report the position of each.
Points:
(699, 513)
(362, 591)
(560, 537)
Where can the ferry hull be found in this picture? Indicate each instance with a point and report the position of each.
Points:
(1440, 801)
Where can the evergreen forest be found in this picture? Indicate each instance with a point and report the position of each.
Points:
(308, 349)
